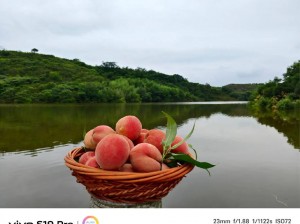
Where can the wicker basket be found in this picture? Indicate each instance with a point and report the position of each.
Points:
(125, 187)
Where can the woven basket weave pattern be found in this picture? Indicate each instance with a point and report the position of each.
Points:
(125, 187)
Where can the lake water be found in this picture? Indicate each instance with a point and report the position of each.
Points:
(256, 155)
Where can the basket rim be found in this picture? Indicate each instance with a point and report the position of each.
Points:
(125, 177)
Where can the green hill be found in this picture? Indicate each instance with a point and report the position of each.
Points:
(280, 93)
(39, 78)
(240, 91)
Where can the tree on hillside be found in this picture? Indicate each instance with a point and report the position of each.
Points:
(280, 93)
(292, 80)
(34, 50)
(109, 64)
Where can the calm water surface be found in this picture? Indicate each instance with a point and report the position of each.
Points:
(256, 155)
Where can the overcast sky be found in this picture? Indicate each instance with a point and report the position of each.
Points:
(207, 41)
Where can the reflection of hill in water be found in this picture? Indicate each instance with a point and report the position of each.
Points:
(31, 127)
(27, 127)
(286, 123)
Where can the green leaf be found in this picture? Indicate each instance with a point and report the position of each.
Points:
(185, 139)
(187, 158)
(172, 159)
(193, 150)
(170, 132)
(171, 163)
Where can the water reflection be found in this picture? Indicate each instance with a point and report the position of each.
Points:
(255, 166)
(31, 127)
(42, 127)
(287, 123)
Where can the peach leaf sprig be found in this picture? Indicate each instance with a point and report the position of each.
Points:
(174, 158)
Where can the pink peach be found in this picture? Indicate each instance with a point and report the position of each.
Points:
(131, 145)
(164, 167)
(144, 130)
(130, 126)
(86, 156)
(88, 140)
(112, 152)
(92, 162)
(141, 137)
(127, 167)
(145, 157)
(100, 132)
(183, 148)
(155, 137)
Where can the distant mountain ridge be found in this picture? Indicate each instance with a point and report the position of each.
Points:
(39, 78)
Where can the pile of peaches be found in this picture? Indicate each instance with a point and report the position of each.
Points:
(127, 148)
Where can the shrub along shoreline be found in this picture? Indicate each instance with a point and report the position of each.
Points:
(279, 94)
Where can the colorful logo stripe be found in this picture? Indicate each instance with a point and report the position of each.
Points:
(93, 221)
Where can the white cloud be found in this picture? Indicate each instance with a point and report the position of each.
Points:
(211, 41)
